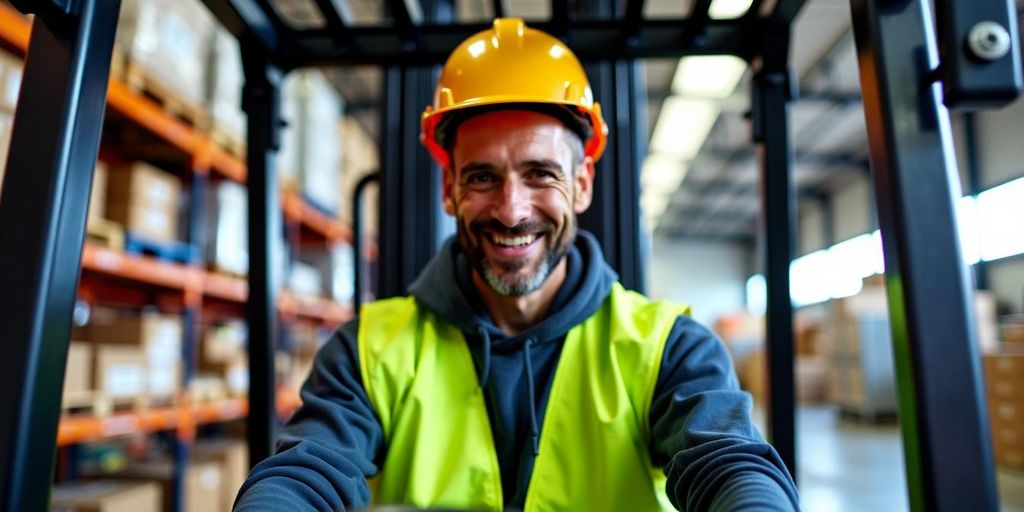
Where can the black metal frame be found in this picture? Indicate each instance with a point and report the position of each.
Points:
(942, 411)
(43, 209)
(43, 206)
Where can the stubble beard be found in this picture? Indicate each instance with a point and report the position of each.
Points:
(506, 280)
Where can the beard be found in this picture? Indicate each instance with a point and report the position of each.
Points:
(515, 278)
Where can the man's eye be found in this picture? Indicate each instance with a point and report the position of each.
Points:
(543, 174)
(479, 178)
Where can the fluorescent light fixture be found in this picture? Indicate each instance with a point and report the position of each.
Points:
(729, 9)
(811, 278)
(708, 76)
(1001, 215)
(662, 173)
(967, 224)
(682, 126)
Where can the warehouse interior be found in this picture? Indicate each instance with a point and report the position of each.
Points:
(155, 389)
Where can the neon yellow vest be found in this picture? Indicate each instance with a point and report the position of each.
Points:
(594, 445)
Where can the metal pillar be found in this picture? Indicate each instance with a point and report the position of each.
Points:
(614, 214)
(358, 249)
(973, 158)
(945, 431)
(410, 184)
(261, 100)
(772, 91)
(42, 228)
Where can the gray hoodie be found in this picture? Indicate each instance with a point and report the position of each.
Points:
(701, 432)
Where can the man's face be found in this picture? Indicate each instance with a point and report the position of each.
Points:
(515, 194)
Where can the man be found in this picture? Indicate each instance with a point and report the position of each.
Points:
(519, 374)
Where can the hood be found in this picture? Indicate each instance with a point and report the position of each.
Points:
(588, 281)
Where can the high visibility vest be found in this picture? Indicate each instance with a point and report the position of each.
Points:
(594, 443)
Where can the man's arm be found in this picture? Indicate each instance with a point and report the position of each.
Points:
(330, 444)
(701, 431)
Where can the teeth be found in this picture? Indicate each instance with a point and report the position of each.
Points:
(514, 241)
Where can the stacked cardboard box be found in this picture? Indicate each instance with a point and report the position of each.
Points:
(78, 369)
(145, 200)
(10, 81)
(337, 266)
(169, 41)
(223, 357)
(106, 496)
(862, 374)
(233, 458)
(224, 85)
(227, 235)
(202, 483)
(151, 341)
(1004, 383)
(98, 194)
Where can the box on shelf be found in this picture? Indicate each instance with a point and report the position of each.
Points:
(234, 373)
(98, 194)
(360, 157)
(5, 142)
(305, 280)
(337, 266)
(320, 158)
(11, 69)
(288, 156)
(159, 338)
(233, 457)
(812, 379)
(78, 369)
(166, 41)
(224, 82)
(120, 371)
(227, 228)
(202, 483)
(1004, 384)
(224, 342)
(144, 199)
(106, 496)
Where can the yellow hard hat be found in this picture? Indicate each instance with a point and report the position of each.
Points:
(512, 64)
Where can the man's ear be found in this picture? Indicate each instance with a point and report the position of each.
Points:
(583, 182)
(447, 190)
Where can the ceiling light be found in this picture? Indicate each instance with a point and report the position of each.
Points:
(729, 9)
(708, 76)
(662, 172)
(682, 126)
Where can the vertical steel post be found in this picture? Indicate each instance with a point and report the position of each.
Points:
(614, 214)
(772, 91)
(42, 228)
(261, 100)
(942, 413)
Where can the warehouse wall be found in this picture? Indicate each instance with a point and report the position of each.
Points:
(710, 276)
(1001, 159)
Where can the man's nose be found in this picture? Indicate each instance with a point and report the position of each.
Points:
(513, 206)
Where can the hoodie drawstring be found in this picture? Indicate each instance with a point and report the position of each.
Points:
(534, 433)
(486, 373)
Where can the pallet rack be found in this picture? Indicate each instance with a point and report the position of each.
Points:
(947, 445)
(114, 275)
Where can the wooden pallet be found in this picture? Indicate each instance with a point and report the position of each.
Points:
(106, 233)
(101, 405)
(232, 144)
(141, 80)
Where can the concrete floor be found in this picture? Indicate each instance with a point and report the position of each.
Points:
(845, 466)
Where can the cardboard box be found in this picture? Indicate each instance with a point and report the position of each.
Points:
(202, 483)
(78, 371)
(11, 68)
(233, 457)
(224, 342)
(120, 371)
(227, 228)
(159, 337)
(106, 496)
(98, 195)
(169, 40)
(234, 373)
(145, 200)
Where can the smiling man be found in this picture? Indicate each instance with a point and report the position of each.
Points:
(518, 374)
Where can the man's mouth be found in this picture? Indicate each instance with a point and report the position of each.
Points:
(513, 241)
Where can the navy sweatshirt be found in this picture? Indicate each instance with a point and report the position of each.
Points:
(701, 430)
